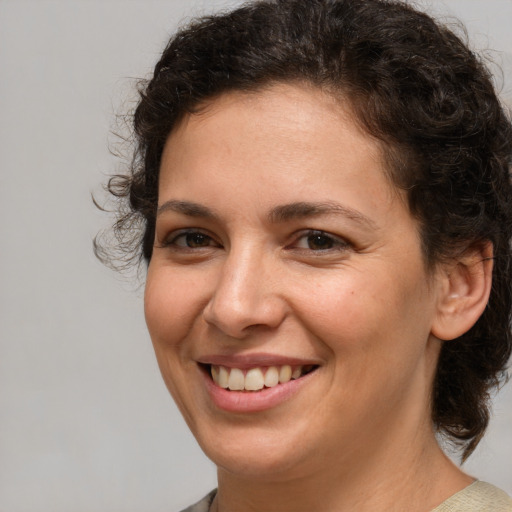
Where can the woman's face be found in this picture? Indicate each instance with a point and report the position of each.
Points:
(286, 265)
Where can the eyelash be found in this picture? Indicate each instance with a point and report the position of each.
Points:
(172, 240)
(334, 243)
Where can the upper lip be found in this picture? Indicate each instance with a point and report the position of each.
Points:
(246, 361)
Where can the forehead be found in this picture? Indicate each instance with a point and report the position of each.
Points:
(296, 111)
(290, 136)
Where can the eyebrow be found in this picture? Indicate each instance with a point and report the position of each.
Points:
(277, 215)
(187, 208)
(301, 210)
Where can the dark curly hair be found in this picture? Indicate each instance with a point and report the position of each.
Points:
(416, 87)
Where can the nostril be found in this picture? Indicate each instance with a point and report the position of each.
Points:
(243, 304)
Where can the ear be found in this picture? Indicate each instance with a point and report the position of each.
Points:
(464, 288)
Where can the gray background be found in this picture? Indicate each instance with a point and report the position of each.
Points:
(85, 421)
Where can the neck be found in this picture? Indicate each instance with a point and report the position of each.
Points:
(405, 473)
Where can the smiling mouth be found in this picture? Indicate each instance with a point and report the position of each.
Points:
(255, 379)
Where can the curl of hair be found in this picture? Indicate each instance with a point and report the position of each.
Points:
(415, 86)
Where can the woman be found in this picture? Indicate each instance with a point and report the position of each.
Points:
(323, 189)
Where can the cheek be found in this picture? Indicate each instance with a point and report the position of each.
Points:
(343, 305)
(170, 312)
(170, 305)
(377, 336)
(366, 313)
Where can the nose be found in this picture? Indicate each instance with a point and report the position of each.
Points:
(246, 297)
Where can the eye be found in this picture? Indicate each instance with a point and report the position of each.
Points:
(190, 240)
(320, 241)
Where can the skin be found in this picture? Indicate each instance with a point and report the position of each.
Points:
(357, 435)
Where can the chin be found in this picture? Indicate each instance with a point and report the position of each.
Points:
(255, 453)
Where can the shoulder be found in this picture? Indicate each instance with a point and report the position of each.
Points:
(203, 505)
(477, 497)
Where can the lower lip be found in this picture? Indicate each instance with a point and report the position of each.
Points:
(254, 401)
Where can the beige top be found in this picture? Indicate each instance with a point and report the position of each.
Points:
(477, 497)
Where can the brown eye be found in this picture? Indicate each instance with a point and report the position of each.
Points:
(192, 240)
(320, 241)
(317, 242)
(197, 240)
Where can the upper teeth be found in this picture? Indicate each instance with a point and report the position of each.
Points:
(255, 378)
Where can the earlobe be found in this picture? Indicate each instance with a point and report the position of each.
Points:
(464, 288)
